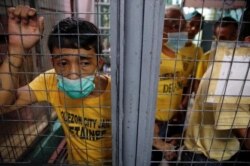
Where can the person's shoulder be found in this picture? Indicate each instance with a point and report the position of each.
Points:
(107, 79)
(50, 71)
(44, 80)
(197, 47)
(190, 44)
(47, 75)
(193, 45)
(200, 48)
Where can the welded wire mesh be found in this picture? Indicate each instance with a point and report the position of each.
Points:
(34, 134)
(202, 109)
(202, 122)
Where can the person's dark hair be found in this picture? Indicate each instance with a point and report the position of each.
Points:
(225, 22)
(196, 14)
(245, 26)
(202, 19)
(75, 33)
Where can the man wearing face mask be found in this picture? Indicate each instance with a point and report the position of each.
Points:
(169, 86)
(80, 95)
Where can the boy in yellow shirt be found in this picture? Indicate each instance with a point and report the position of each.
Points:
(78, 93)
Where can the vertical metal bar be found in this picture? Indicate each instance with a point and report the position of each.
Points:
(117, 54)
(133, 29)
(151, 49)
(135, 48)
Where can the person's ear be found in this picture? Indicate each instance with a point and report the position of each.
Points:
(101, 62)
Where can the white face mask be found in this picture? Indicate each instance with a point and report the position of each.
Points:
(177, 40)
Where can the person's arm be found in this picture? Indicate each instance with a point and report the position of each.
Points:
(24, 30)
(166, 148)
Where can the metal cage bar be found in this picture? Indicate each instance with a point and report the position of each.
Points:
(136, 43)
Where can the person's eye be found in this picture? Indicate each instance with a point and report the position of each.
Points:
(84, 63)
(62, 63)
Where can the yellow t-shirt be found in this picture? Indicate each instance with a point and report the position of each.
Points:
(169, 87)
(86, 122)
(205, 60)
(190, 56)
(210, 125)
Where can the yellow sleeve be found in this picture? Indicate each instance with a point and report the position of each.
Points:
(202, 65)
(43, 84)
(199, 71)
(192, 66)
(199, 53)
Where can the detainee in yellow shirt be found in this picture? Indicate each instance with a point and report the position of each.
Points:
(169, 87)
(212, 128)
(78, 93)
(85, 121)
(215, 132)
(190, 54)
